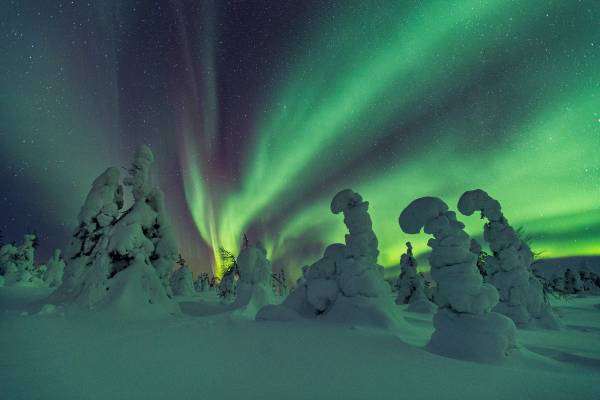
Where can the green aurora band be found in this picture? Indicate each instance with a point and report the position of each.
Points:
(396, 100)
(367, 68)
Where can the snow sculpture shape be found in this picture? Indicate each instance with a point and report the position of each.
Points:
(55, 268)
(182, 282)
(410, 285)
(254, 287)
(509, 266)
(114, 261)
(346, 285)
(465, 327)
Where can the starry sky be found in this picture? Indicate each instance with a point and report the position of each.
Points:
(260, 111)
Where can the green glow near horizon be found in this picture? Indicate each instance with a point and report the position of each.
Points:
(343, 93)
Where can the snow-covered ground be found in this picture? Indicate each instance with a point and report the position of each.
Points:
(208, 353)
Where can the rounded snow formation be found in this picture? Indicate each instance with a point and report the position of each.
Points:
(113, 259)
(464, 301)
(478, 200)
(254, 289)
(414, 217)
(509, 266)
(345, 285)
(489, 337)
(345, 199)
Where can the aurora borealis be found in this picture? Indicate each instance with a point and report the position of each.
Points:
(260, 111)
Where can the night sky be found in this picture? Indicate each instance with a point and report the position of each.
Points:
(260, 111)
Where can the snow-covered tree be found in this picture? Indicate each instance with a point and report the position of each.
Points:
(573, 283)
(114, 261)
(182, 282)
(280, 286)
(229, 268)
(590, 280)
(410, 284)
(17, 264)
(8, 266)
(254, 288)
(202, 284)
(95, 220)
(346, 285)
(465, 326)
(509, 267)
(558, 284)
(55, 268)
(227, 286)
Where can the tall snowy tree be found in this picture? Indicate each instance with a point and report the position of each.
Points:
(509, 267)
(254, 288)
(465, 326)
(346, 285)
(116, 261)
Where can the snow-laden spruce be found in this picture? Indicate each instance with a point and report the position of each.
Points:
(346, 285)
(254, 288)
(150, 209)
(115, 260)
(17, 264)
(202, 283)
(95, 220)
(573, 282)
(410, 285)
(55, 268)
(182, 282)
(509, 266)
(465, 326)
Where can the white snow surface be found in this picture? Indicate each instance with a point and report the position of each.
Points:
(206, 354)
